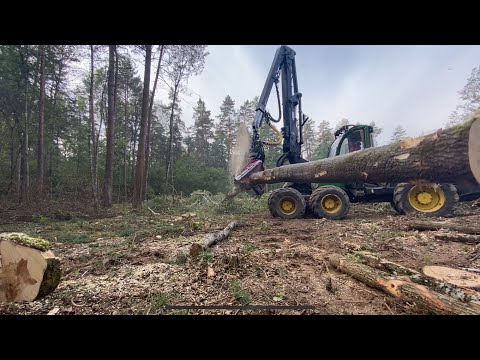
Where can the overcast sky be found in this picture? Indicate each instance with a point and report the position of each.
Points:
(413, 86)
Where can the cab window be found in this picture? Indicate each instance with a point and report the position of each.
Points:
(353, 142)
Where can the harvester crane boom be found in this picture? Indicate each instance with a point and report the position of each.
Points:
(283, 70)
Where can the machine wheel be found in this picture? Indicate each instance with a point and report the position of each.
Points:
(426, 199)
(287, 203)
(392, 203)
(329, 202)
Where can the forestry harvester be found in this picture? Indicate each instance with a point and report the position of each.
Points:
(358, 173)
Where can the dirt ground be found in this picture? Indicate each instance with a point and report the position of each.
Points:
(143, 267)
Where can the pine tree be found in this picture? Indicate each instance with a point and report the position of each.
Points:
(398, 134)
(227, 124)
(324, 139)
(203, 131)
(309, 141)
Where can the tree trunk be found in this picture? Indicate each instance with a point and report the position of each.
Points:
(444, 156)
(437, 225)
(212, 239)
(456, 277)
(93, 140)
(24, 173)
(169, 170)
(469, 239)
(404, 289)
(110, 127)
(440, 285)
(41, 123)
(140, 168)
(147, 151)
(29, 271)
(125, 151)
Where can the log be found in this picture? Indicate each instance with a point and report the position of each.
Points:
(212, 239)
(445, 156)
(403, 289)
(438, 225)
(441, 285)
(463, 238)
(29, 271)
(453, 276)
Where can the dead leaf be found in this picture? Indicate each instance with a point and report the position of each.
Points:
(210, 272)
(54, 311)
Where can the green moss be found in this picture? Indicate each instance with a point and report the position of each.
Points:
(52, 276)
(25, 240)
(462, 129)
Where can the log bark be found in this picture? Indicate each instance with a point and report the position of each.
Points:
(28, 271)
(442, 157)
(463, 238)
(404, 289)
(212, 239)
(437, 225)
(439, 285)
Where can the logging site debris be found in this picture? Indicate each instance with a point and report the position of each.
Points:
(385, 230)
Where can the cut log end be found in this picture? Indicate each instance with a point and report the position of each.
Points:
(27, 274)
(453, 276)
(195, 250)
(474, 146)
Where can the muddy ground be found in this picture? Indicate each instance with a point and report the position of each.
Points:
(139, 263)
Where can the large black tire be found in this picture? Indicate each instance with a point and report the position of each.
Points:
(287, 203)
(395, 207)
(426, 200)
(329, 202)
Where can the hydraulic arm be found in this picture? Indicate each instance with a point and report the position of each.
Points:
(290, 109)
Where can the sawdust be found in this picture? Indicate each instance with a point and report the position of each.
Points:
(240, 151)
(271, 261)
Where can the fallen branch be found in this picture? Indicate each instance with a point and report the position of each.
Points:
(153, 212)
(441, 285)
(437, 225)
(463, 238)
(404, 289)
(212, 239)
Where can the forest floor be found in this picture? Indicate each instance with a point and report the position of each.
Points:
(137, 262)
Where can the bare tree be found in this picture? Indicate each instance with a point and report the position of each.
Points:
(140, 167)
(41, 122)
(94, 146)
(110, 127)
(184, 61)
(149, 126)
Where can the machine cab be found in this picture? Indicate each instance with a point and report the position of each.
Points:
(351, 138)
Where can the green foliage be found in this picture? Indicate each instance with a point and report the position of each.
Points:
(240, 293)
(191, 175)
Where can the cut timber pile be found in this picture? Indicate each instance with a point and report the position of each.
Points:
(448, 155)
(28, 269)
(427, 293)
(212, 239)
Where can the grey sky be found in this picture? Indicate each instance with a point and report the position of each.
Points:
(413, 86)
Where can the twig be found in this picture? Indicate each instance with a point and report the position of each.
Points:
(73, 303)
(153, 212)
(471, 269)
(388, 307)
